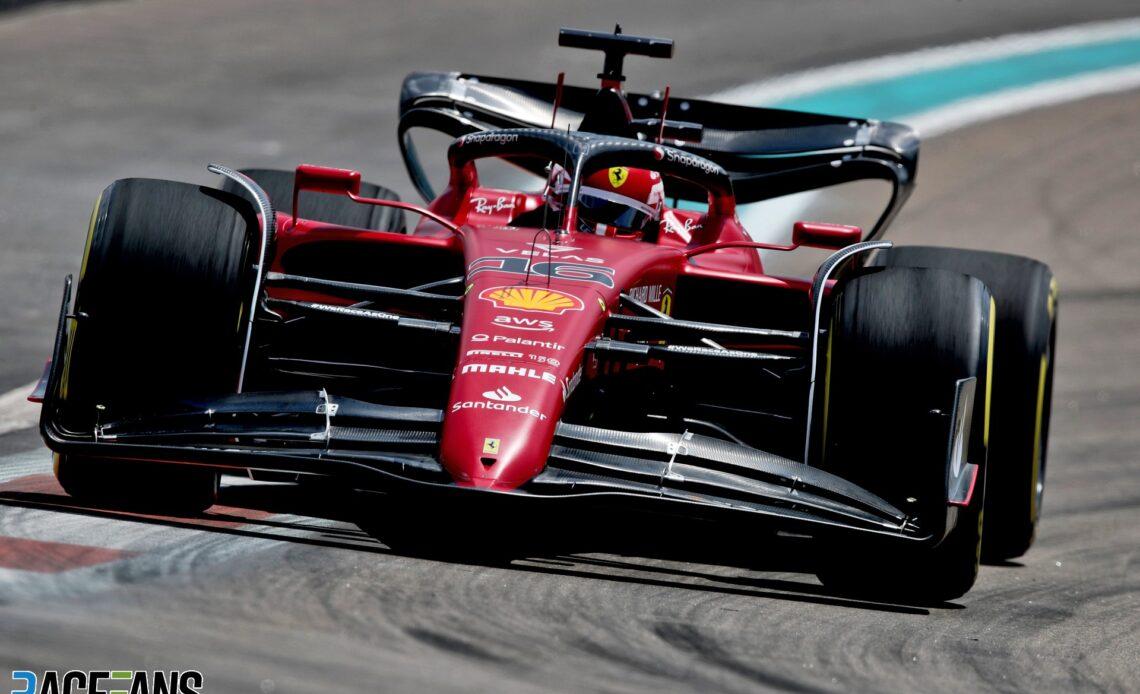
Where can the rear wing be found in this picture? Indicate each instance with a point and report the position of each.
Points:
(768, 153)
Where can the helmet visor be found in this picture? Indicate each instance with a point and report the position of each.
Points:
(603, 207)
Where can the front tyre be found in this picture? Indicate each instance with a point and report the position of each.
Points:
(163, 292)
(900, 340)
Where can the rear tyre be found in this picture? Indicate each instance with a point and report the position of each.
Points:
(333, 209)
(900, 340)
(1026, 297)
(164, 286)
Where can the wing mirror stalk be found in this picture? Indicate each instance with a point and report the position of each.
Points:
(823, 235)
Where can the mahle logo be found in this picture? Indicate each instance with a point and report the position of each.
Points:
(107, 682)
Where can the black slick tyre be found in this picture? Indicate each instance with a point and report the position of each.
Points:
(1025, 293)
(900, 340)
(162, 296)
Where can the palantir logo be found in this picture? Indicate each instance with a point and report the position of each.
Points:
(108, 682)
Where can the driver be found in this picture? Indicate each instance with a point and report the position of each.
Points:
(616, 201)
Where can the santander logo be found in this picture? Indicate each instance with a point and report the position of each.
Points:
(502, 394)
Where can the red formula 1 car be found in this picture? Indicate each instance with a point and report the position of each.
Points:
(566, 341)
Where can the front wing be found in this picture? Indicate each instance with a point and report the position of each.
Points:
(391, 449)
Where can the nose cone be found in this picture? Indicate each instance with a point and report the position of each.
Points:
(500, 423)
(529, 310)
(519, 349)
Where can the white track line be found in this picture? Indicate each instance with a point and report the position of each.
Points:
(960, 114)
(924, 60)
(16, 412)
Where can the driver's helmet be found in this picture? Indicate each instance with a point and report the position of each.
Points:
(617, 200)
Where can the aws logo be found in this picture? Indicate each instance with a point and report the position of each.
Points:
(517, 323)
(532, 299)
(108, 682)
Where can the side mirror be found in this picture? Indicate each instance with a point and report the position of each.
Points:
(823, 235)
(324, 179)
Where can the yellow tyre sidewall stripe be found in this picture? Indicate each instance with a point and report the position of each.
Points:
(1037, 442)
(82, 273)
(1039, 424)
(989, 373)
(826, 391)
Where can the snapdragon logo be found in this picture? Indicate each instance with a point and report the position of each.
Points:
(497, 138)
(107, 682)
(679, 157)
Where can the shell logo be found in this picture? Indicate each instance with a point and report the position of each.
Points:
(532, 299)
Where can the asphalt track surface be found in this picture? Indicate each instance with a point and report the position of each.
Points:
(276, 591)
